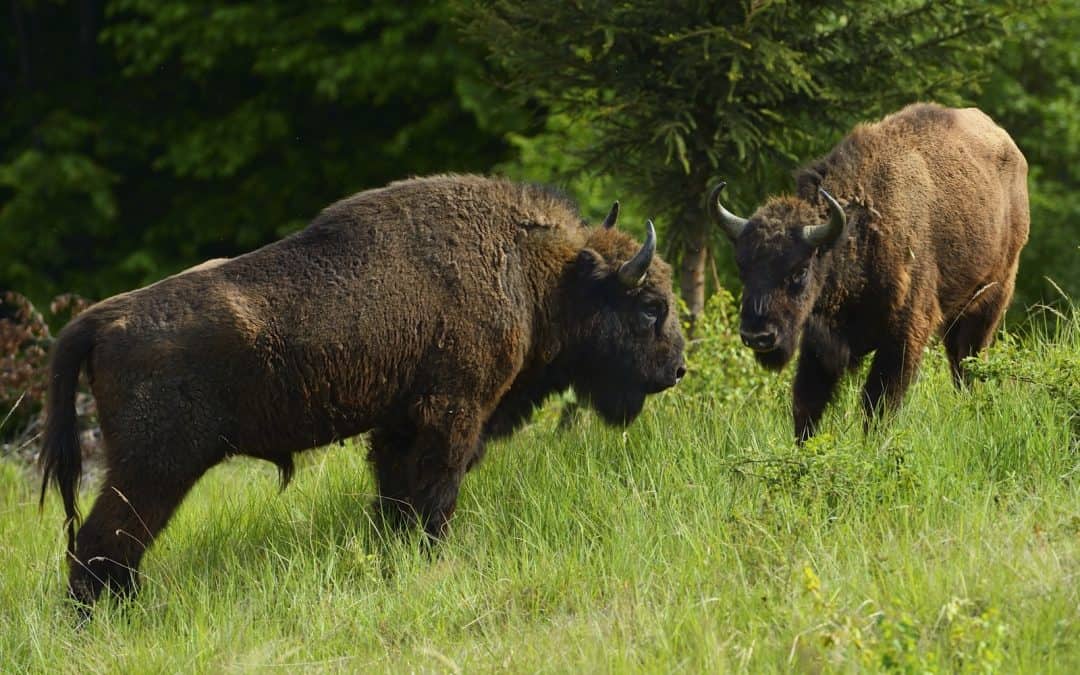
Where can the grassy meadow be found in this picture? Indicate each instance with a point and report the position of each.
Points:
(697, 540)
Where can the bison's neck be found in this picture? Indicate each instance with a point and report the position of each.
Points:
(544, 274)
(545, 370)
(846, 269)
(531, 388)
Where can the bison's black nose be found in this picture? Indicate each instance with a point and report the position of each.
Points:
(759, 341)
(679, 373)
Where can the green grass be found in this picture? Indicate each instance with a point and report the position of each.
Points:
(698, 540)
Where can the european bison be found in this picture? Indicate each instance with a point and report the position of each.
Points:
(435, 313)
(923, 237)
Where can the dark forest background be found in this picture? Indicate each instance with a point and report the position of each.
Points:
(139, 137)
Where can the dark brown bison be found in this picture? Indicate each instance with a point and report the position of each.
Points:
(435, 313)
(910, 227)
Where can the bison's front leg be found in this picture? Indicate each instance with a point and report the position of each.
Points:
(815, 383)
(445, 447)
(823, 358)
(392, 458)
(419, 472)
(895, 365)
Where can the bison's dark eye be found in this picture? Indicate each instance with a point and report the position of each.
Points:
(798, 278)
(648, 316)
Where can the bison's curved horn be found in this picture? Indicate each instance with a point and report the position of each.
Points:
(732, 224)
(632, 272)
(612, 216)
(819, 235)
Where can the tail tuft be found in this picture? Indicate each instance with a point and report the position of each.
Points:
(61, 454)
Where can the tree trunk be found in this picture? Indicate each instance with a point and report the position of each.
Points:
(692, 269)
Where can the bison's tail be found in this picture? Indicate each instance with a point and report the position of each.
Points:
(61, 455)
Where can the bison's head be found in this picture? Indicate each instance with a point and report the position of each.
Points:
(779, 252)
(626, 335)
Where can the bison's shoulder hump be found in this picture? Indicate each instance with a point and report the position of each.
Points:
(454, 198)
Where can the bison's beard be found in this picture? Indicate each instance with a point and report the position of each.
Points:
(616, 406)
(776, 359)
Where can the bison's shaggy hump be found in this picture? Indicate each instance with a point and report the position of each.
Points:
(434, 312)
(527, 204)
(924, 238)
(962, 134)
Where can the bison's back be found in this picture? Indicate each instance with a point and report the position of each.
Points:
(1004, 169)
(169, 362)
(422, 289)
(948, 190)
(957, 165)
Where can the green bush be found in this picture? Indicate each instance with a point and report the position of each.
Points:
(719, 365)
(1056, 370)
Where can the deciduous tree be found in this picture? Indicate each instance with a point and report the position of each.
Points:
(141, 136)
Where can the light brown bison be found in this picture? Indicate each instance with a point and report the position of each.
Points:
(910, 227)
(435, 313)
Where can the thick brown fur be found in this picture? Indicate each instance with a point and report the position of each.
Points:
(435, 313)
(937, 212)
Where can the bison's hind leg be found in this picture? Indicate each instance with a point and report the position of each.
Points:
(135, 503)
(971, 331)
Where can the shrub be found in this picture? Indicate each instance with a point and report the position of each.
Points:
(719, 365)
(25, 339)
(1056, 370)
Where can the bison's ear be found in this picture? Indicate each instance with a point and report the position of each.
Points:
(807, 182)
(590, 265)
(612, 218)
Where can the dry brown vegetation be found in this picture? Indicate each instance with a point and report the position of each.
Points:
(25, 337)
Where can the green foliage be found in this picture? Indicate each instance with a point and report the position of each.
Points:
(682, 93)
(547, 158)
(839, 474)
(973, 636)
(1056, 371)
(719, 365)
(150, 135)
(1034, 92)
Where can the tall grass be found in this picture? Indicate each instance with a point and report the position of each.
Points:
(699, 539)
